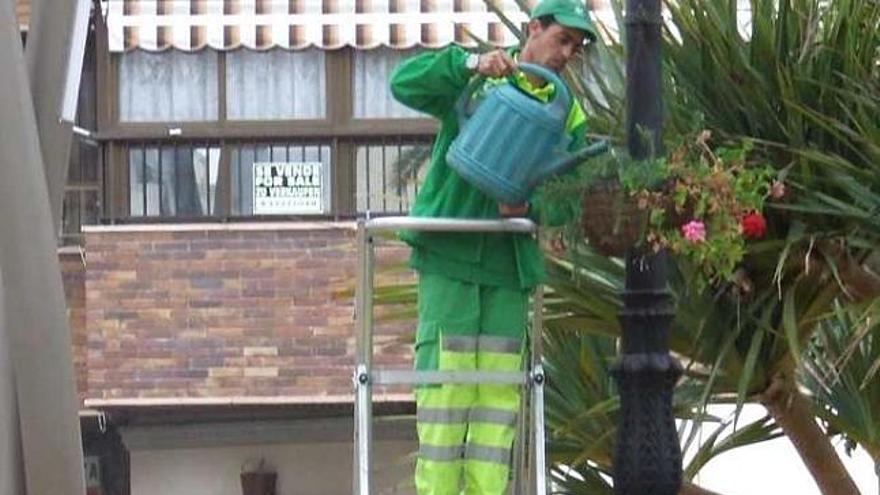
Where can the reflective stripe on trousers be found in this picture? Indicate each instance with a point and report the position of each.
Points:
(466, 431)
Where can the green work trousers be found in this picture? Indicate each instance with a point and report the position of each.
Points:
(466, 431)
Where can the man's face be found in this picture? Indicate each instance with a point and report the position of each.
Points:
(552, 46)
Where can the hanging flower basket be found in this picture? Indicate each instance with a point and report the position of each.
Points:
(611, 220)
(701, 201)
(614, 220)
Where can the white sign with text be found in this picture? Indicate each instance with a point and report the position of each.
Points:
(288, 188)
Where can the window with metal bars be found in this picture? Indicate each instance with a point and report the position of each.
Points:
(173, 180)
(389, 172)
(245, 155)
(192, 180)
(81, 207)
(82, 192)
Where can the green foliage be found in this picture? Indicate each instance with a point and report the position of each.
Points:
(582, 404)
(796, 91)
(694, 184)
(842, 372)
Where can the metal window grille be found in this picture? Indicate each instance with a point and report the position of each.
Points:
(389, 172)
(173, 180)
(245, 154)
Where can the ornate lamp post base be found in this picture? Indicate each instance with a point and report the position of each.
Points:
(647, 457)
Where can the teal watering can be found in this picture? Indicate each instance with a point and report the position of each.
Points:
(513, 141)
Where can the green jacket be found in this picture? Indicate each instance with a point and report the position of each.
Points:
(431, 83)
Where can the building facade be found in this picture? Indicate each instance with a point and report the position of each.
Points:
(208, 234)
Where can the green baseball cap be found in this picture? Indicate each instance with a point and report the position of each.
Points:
(569, 13)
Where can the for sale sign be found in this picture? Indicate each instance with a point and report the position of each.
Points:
(288, 188)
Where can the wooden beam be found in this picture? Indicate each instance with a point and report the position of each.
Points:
(34, 322)
(12, 480)
(49, 40)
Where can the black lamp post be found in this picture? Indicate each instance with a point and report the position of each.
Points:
(647, 457)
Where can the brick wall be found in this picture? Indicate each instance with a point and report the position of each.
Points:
(73, 276)
(226, 310)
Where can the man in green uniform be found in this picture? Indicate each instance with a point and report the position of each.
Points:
(474, 288)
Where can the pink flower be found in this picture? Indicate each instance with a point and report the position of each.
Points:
(694, 231)
(777, 190)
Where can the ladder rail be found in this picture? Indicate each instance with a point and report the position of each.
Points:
(365, 377)
(364, 401)
(537, 395)
(428, 224)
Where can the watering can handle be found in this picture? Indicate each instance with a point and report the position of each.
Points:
(561, 89)
(465, 98)
(548, 75)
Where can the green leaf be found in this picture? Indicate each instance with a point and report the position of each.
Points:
(748, 372)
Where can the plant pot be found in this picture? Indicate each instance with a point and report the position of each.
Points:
(258, 483)
(610, 219)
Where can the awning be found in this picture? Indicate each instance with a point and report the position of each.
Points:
(191, 25)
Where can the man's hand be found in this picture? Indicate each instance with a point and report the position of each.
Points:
(557, 245)
(513, 210)
(496, 64)
(553, 241)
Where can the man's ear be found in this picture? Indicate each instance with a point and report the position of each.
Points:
(535, 27)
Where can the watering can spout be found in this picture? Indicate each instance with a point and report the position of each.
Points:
(571, 160)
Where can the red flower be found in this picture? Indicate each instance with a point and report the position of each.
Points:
(754, 226)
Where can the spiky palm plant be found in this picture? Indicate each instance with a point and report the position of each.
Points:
(801, 80)
(842, 372)
(582, 401)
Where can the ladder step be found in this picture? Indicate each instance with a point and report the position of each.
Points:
(399, 377)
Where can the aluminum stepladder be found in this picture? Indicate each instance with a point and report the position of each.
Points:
(529, 464)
